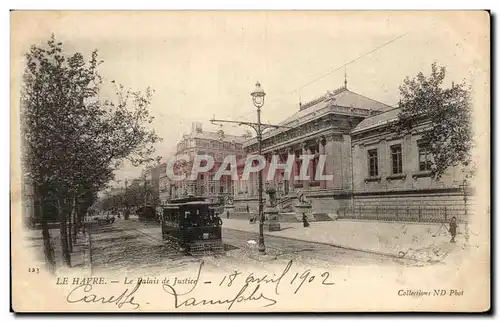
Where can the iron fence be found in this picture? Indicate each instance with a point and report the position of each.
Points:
(405, 213)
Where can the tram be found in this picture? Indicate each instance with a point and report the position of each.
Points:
(193, 225)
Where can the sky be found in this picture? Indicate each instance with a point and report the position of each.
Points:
(205, 64)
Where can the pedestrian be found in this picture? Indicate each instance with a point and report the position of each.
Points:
(453, 229)
(218, 220)
(304, 220)
(248, 209)
(227, 214)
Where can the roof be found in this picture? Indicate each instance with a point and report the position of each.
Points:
(347, 98)
(208, 135)
(342, 98)
(304, 112)
(339, 97)
(377, 120)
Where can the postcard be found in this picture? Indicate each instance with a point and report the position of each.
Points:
(250, 161)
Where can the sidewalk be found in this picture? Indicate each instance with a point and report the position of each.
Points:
(32, 240)
(423, 242)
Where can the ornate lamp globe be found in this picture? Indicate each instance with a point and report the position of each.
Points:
(258, 95)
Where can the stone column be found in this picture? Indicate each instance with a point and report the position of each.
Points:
(331, 155)
(242, 185)
(321, 145)
(305, 151)
(291, 179)
(269, 158)
(346, 161)
(337, 161)
(310, 168)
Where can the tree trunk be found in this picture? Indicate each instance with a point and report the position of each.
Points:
(69, 227)
(79, 217)
(76, 222)
(64, 234)
(80, 214)
(47, 246)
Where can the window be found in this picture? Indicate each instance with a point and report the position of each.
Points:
(373, 163)
(424, 158)
(397, 159)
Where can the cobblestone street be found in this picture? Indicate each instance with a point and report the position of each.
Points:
(132, 247)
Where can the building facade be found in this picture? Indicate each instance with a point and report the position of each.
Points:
(319, 127)
(217, 144)
(371, 165)
(389, 167)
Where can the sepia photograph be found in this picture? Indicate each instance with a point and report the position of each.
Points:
(250, 161)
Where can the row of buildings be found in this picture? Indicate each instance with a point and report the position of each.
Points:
(217, 144)
(371, 164)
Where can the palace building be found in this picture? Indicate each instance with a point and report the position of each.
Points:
(370, 164)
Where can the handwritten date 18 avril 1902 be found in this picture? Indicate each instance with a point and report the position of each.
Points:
(247, 288)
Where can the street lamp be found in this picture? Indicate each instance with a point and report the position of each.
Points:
(258, 95)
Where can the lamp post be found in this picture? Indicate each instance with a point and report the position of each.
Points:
(258, 96)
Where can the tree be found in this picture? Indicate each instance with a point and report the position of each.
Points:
(448, 112)
(74, 141)
(141, 191)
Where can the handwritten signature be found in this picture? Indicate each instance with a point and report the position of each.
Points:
(238, 298)
(249, 288)
(252, 283)
(192, 301)
(126, 297)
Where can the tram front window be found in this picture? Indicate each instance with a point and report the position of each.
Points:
(191, 219)
(211, 219)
